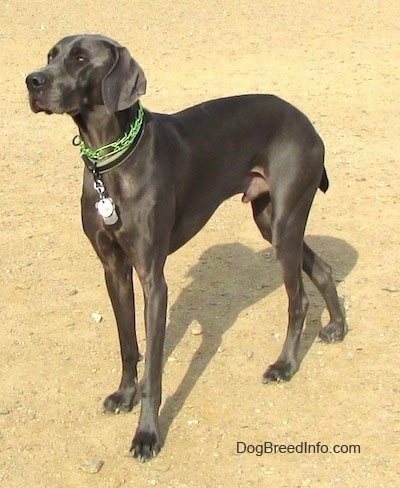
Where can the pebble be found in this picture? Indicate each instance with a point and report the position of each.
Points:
(92, 466)
(97, 317)
(196, 328)
(4, 411)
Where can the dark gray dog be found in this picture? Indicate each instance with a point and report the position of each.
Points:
(152, 181)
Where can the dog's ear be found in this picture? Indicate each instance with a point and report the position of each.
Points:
(124, 83)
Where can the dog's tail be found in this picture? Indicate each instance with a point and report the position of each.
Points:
(324, 183)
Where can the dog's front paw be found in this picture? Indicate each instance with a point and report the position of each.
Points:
(122, 400)
(145, 445)
(333, 332)
(280, 371)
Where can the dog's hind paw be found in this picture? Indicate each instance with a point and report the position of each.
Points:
(123, 400)
(280, 371)
(333, 332)
(145, 446)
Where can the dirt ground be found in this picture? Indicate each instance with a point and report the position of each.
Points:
(339, 63)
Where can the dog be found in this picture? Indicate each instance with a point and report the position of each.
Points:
(152, 181)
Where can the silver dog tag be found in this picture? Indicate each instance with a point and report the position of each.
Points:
(106, 209)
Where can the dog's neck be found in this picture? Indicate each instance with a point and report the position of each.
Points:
(97, 127)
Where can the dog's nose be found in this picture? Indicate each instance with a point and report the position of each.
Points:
(36, 80)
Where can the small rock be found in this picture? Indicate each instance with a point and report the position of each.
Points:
(193, 422)
(97, 317)
(196, 328)
(92, 466)
(4, 411)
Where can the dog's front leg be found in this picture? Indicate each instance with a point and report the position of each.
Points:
(146, 443)
(118, 276)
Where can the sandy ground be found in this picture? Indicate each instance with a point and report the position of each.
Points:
(338, 62)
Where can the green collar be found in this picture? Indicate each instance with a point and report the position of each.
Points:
(108, 157)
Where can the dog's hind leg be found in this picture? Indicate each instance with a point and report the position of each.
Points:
(320, 274)
(262, 215)
(289, 251)
(282, 223)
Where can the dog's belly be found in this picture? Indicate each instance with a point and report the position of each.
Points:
(189, 223)
(197, 211)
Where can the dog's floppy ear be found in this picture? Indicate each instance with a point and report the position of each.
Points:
(124, 83)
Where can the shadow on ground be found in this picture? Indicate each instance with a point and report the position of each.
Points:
(251, 276)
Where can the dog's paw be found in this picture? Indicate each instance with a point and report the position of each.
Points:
(333, 332)
(123, 400)
(280, 371)
(145, 445)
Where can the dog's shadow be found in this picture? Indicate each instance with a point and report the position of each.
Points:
(228, 279)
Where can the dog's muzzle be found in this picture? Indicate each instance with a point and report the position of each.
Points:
(36, 83)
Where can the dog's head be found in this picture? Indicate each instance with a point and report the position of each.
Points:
(84, 71)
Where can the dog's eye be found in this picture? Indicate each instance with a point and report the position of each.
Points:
(81, 59)
(53, 53)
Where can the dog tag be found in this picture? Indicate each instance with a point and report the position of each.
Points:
(106, 209)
